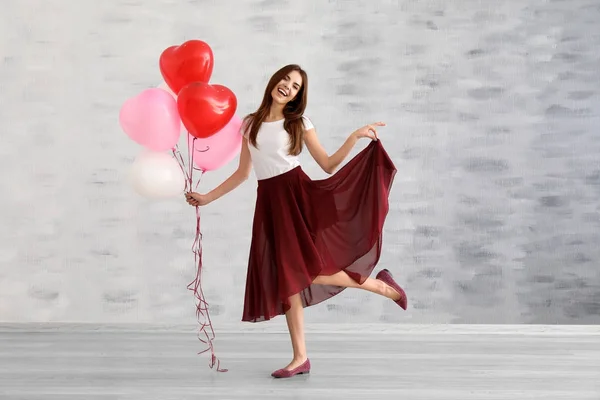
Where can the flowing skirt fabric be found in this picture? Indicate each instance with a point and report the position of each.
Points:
(303, 228)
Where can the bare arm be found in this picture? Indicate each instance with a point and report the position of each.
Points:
(329, 163)
(236, 179)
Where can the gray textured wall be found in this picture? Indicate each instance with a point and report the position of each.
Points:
(493, 121)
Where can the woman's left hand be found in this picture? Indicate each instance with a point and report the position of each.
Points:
(368, 131)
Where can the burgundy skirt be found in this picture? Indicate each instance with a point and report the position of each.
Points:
(304, 228)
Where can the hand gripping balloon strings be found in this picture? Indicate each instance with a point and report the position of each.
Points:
(206, 333)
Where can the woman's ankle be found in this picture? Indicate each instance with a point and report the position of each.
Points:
(301, 357)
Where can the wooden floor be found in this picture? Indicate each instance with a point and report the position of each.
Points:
(412, 364)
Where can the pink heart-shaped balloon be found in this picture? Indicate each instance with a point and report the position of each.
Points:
(151, 119)
(215, 151)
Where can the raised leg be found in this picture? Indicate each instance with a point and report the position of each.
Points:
(372, 285)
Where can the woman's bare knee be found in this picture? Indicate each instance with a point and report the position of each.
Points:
(295, 300)
(322, 280)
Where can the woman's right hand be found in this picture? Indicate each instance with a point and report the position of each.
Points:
(240, 175)
(197, 199)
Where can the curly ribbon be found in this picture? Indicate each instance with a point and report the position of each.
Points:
(206, 332)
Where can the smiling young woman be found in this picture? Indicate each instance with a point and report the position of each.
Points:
(311, 239)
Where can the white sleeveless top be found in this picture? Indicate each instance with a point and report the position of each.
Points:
(271, 158)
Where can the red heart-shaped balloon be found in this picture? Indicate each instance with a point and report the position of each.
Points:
(205, 109)
(190, 62)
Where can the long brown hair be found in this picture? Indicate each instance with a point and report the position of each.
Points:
(292, 112)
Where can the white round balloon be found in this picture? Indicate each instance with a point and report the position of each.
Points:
(157, 175)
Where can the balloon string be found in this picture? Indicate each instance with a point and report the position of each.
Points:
(179, 158)
(191, 160)
(206, 332)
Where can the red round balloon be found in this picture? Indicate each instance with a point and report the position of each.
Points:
(205, 109)
(190, 62)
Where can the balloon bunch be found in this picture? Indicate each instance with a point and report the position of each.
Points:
(155, 119)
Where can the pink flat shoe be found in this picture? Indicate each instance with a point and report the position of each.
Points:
(284, 373)
(386, 276)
